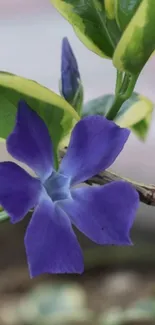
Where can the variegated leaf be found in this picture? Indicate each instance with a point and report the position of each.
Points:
(138, 40)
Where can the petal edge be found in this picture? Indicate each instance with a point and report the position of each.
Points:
(50, 242)
(30, 141)
(94, 145)
(19, 191)
(106, 213)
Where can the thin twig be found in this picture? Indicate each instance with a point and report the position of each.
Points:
(146, 192)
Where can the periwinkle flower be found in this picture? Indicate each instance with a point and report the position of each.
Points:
(70, 75)
(103, 213)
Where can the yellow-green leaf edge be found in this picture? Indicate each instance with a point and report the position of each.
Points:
(66, 11)
(130, 54)
(139, 110)
(35, 90)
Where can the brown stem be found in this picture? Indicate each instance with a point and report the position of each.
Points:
(146, 192)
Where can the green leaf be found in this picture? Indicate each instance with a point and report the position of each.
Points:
(124, 11)
(110, 8)
(138, 40)
(141, 128)
(91, 24)
(136, 113)
(97, 106)
(100, 105)
(54, 110)
(3, 216)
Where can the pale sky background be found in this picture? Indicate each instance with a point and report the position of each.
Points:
(31, 32)
(17, 6)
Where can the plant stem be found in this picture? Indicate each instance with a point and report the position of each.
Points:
(122, 93)
(118, 81)
(115, 107)
(146, 192)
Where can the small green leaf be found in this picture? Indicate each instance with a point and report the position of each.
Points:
(98, 106)
(136, 113)
(124, 11)
(91, 24)
(138, 40)
(135, 109)
(141, 128)
(54, 110)
(3, 216)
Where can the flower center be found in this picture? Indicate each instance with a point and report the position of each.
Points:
(57, 186)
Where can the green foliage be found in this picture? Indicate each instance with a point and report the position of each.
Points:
(122, 31)
(3, 216)
(135, 113)
(138, 40)
(91, 23)
(100, 105)
(141, 128)
(124, 11)
(55, 111)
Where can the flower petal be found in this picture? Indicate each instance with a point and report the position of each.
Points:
(30, 141)
(51, 244)
(19, 192)
(70, 75)
(104, 213)
(95, 144)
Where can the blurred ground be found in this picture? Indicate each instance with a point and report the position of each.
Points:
(114, 278)
(72, 299)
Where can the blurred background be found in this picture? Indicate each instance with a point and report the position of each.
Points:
(115, 279)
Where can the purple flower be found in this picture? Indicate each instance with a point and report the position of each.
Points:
(70, 75)
(103, 213)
